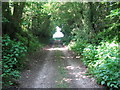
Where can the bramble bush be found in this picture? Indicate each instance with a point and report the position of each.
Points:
(103, 63)
(13, 53)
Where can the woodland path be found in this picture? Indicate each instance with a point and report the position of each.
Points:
(56, 67)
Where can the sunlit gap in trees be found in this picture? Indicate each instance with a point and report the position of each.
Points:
(57, 43)
(58, 34)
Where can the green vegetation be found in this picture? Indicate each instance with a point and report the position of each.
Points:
(90, 29)
(13, 56)
(25, 28)
(97, 42)
(103, 63)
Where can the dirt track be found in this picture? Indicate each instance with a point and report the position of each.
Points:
(56, 67)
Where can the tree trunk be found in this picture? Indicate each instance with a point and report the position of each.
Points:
(6, 14)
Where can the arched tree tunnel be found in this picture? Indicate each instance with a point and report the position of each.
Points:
(60, 44)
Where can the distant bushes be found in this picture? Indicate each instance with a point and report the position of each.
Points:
(13, 53)
(102, 62)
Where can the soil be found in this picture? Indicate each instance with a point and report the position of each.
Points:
(56, 67)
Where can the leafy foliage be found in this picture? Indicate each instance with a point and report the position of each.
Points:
(25, 28)
(89, 53)
(107, 68)
(99, 31)
(103, 62)
(77, 47)
(13, 53)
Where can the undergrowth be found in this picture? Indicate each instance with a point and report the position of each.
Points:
(102, 61)
(12, 60)
(14, 57)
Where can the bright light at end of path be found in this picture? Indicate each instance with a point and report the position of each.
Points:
(60, 49)
(58, 33)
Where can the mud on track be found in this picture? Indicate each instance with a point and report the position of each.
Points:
(56, 67)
